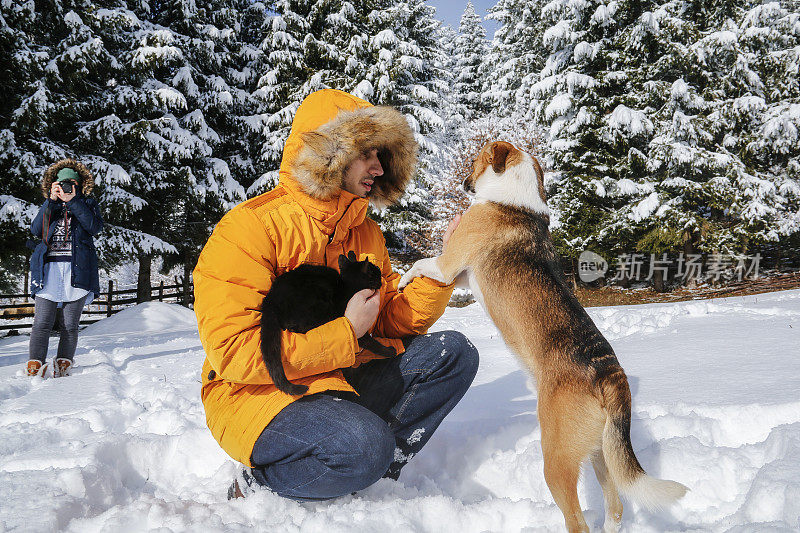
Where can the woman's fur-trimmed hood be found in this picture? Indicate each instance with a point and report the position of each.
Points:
(327, 151)
(50, 175)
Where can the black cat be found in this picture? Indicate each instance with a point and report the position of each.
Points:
(307, 297)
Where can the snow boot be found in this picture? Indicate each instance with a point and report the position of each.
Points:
(36, 368)
(61, 368)
(242, 485)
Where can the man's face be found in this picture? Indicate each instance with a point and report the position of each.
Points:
(361, 173)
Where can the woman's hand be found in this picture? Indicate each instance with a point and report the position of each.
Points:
(54, 190)
(64, 197)
(68, 197)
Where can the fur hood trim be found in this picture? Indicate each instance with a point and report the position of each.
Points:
(87, 181)
(327, 151)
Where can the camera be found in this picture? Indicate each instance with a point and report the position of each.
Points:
(67, 186)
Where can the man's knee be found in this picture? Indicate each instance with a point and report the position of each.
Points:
(352, 449)
(371, 450)
(462, 353)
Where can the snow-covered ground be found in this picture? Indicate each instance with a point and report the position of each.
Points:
(122, 444)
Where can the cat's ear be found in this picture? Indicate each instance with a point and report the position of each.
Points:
(351, 255)
(342, 262)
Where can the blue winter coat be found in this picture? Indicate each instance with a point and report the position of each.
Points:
(86, 211)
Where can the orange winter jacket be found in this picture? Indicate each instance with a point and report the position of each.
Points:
(307, 218)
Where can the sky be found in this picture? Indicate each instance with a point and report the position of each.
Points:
(450, 12)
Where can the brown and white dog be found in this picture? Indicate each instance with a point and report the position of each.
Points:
(503, 245)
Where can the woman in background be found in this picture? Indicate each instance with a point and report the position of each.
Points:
(64, 263)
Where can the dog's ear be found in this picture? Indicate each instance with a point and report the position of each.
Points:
(539, 178)
(501, 155)
(342, 262)
(351, 255)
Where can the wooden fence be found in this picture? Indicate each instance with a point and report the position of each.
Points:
(106, 304)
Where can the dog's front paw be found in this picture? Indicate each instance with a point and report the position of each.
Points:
(408, 276)
(424, 267)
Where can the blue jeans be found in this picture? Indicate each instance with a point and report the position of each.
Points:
(331, 444)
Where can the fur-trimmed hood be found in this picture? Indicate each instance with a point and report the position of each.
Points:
(331, 129)
(50, 175)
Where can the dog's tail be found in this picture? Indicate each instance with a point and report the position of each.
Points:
(271, 353)
(625, 470)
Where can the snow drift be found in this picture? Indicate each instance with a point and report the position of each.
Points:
(122, 445)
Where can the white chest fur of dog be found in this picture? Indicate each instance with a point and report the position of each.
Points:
(502, 245)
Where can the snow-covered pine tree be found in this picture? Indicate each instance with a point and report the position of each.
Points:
(444, 199)
(658, 121)
(720, 191)
(665, 181)
(109, 138)
(189, 121)
(693, 161)
(173, 126)
(498, 72)
(20, 67)
(769, 37)
(470, 49)
(242, 139)
(447, 65)
(516, 55)
(596, 127)
(253, 64)
(280, 84)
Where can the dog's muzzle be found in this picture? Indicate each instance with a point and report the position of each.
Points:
(467, 187)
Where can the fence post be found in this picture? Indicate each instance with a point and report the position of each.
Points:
(186, 280)
(161, 291)
(110, 297)
(27, 285)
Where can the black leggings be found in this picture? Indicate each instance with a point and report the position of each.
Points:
(43, 318)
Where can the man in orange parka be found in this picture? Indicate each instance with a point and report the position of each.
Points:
(363, 417)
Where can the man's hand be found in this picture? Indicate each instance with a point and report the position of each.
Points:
(362, 310)
(449, 231)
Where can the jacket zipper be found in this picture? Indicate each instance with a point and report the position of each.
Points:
(330, 237)
(72, 259)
